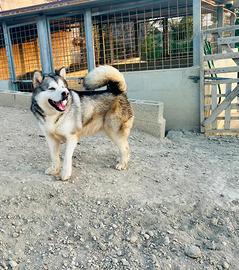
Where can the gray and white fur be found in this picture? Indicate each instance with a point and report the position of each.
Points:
(65, 115)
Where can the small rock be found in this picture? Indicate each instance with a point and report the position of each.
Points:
(125, 262)
(67, 224)
(154, 259)
(225, 265)
(3, 265)
(65, 263)
(64, 255)
(82, 239)
(214, 221)
(119, 253)
(111, 236)
(166, 241)
(114, 226)
(15, 235)
(146, 236)
(212, 246)
(12, 264)
(193, 251)
(133, 239)
(77, 165)
(150, 233)
(102, 246)
(114, 261)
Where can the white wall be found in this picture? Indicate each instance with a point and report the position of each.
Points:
(175, 89)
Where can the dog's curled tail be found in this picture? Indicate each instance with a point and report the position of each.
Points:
(106, 75)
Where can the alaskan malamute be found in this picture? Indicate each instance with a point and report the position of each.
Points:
(66, 115)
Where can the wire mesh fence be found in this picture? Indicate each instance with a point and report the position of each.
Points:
(154, 36)
(26, 54)
(4, 72)
(69, 46)
(151, 35)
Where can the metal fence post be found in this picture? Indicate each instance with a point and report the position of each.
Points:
(8, 44)
(44, 44)
(89, 39)
(196, 32)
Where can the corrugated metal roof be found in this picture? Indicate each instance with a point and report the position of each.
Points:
(53, 6)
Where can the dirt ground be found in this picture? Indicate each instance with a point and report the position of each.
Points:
(177, 207)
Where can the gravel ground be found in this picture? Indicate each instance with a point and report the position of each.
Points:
(177, 207)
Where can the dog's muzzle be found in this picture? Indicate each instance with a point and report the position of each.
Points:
(60, 105)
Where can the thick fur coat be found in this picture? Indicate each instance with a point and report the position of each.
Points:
(65, 115)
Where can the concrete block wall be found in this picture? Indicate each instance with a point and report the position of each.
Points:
(149, 117)
(15, 99)
(148, 114)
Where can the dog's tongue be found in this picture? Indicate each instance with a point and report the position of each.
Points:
(61, 105)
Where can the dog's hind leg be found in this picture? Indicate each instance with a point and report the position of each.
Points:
(54, 147)
(120, 138)
(71, 143)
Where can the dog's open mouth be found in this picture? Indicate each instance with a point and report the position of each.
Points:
(59, 106)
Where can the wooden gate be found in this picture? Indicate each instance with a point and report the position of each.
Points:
(220, 81)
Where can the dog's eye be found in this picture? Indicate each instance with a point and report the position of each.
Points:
(52, 88)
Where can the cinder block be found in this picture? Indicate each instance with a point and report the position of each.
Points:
(7, 98)
(149, 117)
(148, 110)
(23, 100)
(155, 129)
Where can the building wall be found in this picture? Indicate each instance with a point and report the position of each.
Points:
(175, 89)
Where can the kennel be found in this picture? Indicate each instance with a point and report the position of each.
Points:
(157, 44)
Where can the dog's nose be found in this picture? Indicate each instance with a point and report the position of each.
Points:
(64, 94)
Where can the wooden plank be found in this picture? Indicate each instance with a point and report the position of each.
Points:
(221, 81)
(234, 106)
(214, 104)
(227, 121)
(217, 56)
(225, 103)
(222, 70)
(202, 87)
(223, 118)
(230, 50)
(218, 95)
(227, 40)
(234, 130)
(222, 29)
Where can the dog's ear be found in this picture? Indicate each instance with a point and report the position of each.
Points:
(62, 73)
(37, 79)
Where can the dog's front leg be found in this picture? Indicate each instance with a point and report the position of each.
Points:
(54, 147)
(67, 163)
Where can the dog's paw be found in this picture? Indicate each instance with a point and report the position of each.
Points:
(121, 166)
(52, 171)
(65, 176)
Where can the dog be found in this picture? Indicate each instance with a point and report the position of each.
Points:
(65, 115)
